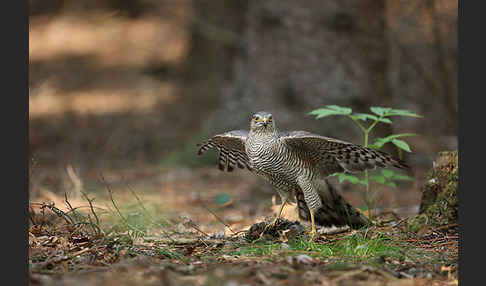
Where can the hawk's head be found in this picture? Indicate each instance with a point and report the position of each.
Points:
(262, 121)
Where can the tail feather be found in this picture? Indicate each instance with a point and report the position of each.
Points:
(334, 210)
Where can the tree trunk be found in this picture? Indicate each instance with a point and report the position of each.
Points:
(299, 56)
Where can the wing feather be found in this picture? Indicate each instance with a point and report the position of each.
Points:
(231, 147)
(333, 155)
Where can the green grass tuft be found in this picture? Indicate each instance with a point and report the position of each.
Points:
(356, 248)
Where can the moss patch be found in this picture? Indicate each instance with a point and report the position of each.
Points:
(439, 203)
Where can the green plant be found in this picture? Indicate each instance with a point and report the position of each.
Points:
(380, 115)
(351, 249)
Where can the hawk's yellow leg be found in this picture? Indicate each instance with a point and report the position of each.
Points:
(313, 226)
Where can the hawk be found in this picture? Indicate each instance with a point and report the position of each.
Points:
(297, 163)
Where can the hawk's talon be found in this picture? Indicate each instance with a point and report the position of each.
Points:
(313, 235)
(313, 231)
(270, 225)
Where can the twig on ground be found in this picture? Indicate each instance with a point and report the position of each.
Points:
(55, 210)
(67, 202)
(217, 217)
(444, 227)
(190, 223)
(187, 222)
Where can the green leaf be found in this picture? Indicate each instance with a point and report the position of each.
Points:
(385, 120)
(375, 146)
(391, 184)
(399, 177)
(363, 182)
(343, 110)
(323, 112)
(379, 143)
(364, 116)
(401, 144)
(380, 110)
(382, 141)
(349, 178)
(345, 177)
(387, 173)
(402, 112)
(377, 178)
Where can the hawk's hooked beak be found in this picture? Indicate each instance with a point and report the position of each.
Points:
(265, 121)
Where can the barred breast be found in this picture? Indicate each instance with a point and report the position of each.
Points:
(275, 161)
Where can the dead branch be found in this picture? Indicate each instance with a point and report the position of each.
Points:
(217, 217)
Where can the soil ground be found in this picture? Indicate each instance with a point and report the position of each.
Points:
(190, 227)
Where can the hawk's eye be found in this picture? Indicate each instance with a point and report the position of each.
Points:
(256, 118)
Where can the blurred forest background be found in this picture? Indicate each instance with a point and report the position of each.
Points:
(127, 88)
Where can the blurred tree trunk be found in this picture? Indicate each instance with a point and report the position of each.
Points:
(299, 56)
(422, 73)
(215, 29)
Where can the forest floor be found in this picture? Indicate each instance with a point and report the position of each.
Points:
(200, 227)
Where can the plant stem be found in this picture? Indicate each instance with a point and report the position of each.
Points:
(357, 123)
(366, 131)
(400, 154)
(374, 124)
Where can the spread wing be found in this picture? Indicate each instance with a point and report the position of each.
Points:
(231, 147)
(332, 155)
